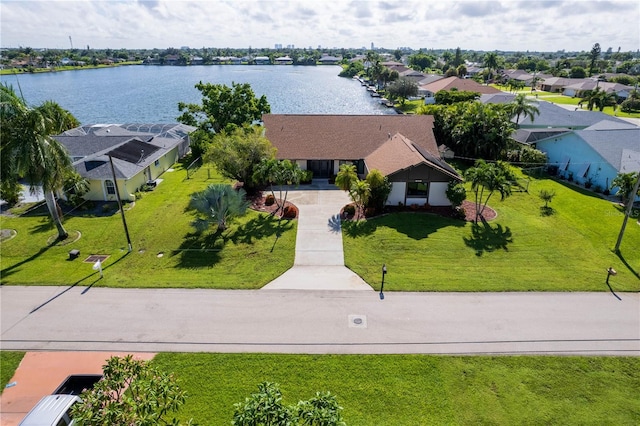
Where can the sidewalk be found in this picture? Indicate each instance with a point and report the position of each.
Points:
(319, 257)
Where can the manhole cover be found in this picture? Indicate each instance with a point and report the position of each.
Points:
(358, 321)
(95, 257)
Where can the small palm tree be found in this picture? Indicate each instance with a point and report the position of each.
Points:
(360, 192)
(346, 177)
(546, 196)
(524, 106)
(218, 204)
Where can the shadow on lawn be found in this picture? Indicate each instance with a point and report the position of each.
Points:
(414, 225)
(629, 267)
(203, 249)
(487, 238)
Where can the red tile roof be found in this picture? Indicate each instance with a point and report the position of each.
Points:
(343, 137)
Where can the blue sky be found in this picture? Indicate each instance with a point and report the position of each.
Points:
(479, 25)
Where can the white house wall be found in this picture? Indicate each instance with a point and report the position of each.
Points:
(438, 194)
(398, 189)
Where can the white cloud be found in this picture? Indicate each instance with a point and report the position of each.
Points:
(479, 25)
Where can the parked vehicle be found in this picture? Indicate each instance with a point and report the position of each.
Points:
(55, 409)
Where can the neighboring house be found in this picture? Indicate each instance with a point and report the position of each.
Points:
(557, 84)
(552, 115)
(595, 154)
(262, 60)
(461, 84)
(578, 89)
(284, 60)
(402, 147)
(140, 153)
(329, 60)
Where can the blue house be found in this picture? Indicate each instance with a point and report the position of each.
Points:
(596, 154)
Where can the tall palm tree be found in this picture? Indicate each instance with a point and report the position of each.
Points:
(491, 62)
(524, 106)
(35, 155)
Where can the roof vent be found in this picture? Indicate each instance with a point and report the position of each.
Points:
(389, 135)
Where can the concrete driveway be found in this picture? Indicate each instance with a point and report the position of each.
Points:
(319, 258)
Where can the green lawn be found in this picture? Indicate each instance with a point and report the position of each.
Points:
(522, 250)
(9, 361)
(166, 252)
(419, 389)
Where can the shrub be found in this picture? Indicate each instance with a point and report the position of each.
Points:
(307, 176)
(369, 212)
(269, 200)
(460, 213)
(290, 212)
(456, 193)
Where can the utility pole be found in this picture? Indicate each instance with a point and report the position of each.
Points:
(115, 184)
(627, 213)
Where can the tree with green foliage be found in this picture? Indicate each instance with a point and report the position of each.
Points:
(546, 195)
(491, 63)
(598, 98)
(456, 193)
(266, 408)
(594, 55)
(354, 68)
(29, 151)
(625, 183)
(218, 204)
(486, 179)
(237, 154)
(380, 188)
(346, 177)
(282, 173)
(421, 61)
(472, 129)
(448, 97)
(402, 89)
(223, 107)
(577, 72)
(131, 392)
(521, 105)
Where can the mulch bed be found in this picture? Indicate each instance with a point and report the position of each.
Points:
(446, 211)
(257, 204)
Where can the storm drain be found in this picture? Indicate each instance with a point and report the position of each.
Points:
(96, 257)
(358, 321)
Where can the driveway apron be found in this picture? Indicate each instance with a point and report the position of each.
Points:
(319, 256)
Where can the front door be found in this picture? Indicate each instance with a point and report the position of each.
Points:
(321, 169)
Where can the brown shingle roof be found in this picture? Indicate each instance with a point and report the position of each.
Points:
(462, 84)
(343, 137)
(399, 153)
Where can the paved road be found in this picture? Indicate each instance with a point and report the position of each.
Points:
(282, 321)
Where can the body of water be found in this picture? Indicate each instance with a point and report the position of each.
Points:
(150, 94)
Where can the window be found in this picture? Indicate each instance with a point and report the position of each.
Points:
(111, 188)
(417, 189)
(157, 163)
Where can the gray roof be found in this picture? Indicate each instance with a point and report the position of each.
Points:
(529, 136)
(611, 125)
(552, 115)
(497, 98)
(132, 146)
(620, 148)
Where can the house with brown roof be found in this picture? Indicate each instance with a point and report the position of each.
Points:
(401, 147)
(462, 84)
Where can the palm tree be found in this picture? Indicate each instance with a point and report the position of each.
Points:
(598, 98)
(489, 177)
(218, 204)
(491, 62)
(524, 106)
(35, 155)
(360, 192)
(346, 177)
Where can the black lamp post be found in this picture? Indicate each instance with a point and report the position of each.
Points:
(610, 272)
(384, 272)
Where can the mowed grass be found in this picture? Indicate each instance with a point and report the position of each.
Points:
(419, 389)
(9, 362)
(521, 250)
(254, 250)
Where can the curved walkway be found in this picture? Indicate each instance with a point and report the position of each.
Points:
(319, 258)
